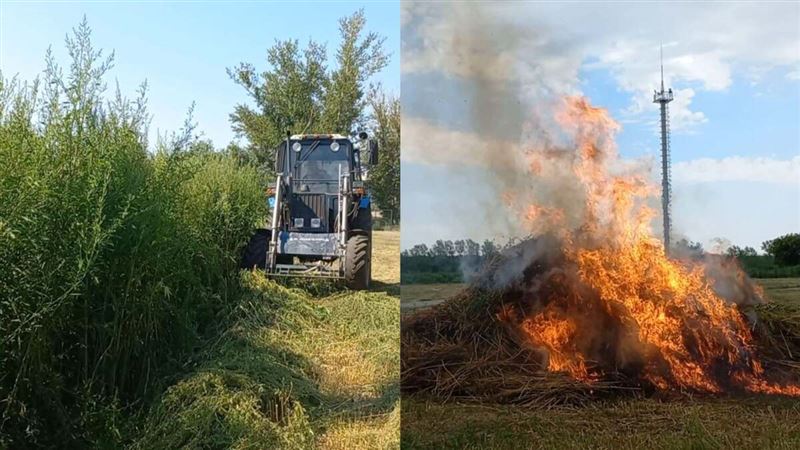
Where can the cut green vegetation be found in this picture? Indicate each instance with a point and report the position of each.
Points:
(292, 372)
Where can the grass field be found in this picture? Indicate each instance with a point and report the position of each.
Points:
(295, 371)
(781, 289)
(416, 296)
(701, 423)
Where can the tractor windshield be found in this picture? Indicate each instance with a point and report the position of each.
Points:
(321, 160)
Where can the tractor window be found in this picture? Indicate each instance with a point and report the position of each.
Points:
(317, 162)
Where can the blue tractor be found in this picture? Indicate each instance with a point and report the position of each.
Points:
(321, 211)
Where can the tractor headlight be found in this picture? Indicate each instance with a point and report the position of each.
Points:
(335, 147)
(297, 147)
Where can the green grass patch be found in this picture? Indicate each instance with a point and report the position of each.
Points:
(751, 423)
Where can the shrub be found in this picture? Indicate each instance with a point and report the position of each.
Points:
(116, 261)
(785, 249)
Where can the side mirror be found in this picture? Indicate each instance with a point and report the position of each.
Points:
(280, 158)
(373, 152)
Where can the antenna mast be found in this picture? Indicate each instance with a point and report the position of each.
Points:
(663, 98)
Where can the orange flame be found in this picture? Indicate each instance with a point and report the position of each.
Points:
(662, 318)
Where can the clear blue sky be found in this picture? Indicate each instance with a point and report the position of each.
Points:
(183, 48)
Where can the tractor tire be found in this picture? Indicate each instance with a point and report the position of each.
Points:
(358, 262)
(254, 256)
(362, 223)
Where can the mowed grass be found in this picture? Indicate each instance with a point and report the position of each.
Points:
(295, 371)
(756, 422)
(781, 290)
(358, 353)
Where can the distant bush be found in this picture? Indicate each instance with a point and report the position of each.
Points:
(764, 266)
(785, 249)
(437, 269)
(116, 262)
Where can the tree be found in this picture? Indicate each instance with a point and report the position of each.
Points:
(439, 248)
(489, 248)
(785, 249)
(418, 250)
(449, 248)
(358, 59)
(299, 95)
(384, 179)
(473, 248)
(460, 247)
(738, 252)
(287, 98)
(687, 245)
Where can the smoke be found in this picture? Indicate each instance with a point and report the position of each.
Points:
(545, 159)
(516, 138)
(730, 282)
(501, 80)
(508, 90)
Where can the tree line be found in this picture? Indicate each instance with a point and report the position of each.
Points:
(448, 261)
(457, 248)
(451, 261)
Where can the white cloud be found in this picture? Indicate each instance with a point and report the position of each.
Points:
(544, 46)
(738, 168)
(430, 144)
(681, 116)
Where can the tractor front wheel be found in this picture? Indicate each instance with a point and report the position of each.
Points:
(254, 256)
(357, 262)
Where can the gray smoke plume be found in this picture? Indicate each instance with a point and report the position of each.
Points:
(508, 86)
(504, 136)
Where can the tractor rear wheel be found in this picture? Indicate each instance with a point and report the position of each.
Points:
(358, 262)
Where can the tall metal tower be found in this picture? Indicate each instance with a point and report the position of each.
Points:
(662, 98)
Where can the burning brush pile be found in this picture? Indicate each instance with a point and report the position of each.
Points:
(592, 306)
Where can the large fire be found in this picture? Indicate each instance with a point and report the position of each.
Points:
(617, 303)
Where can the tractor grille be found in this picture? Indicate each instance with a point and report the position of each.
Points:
(308, 207)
